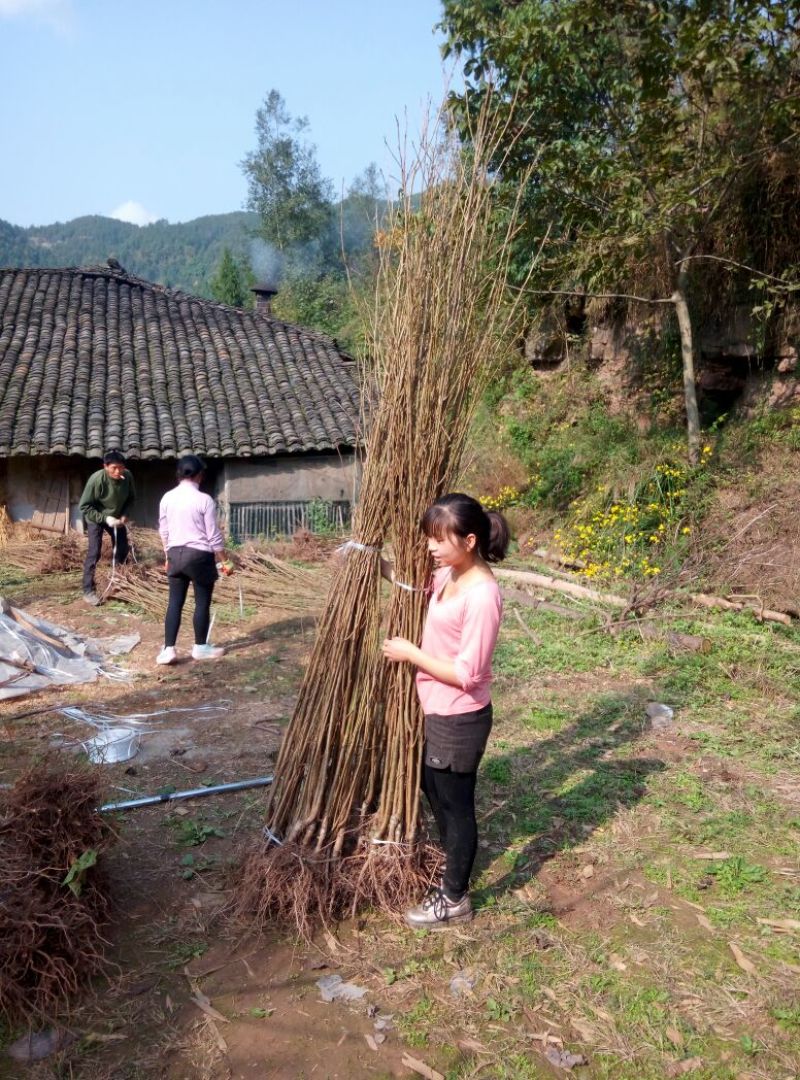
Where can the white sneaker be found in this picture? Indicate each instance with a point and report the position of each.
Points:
(167, 655)
(437, 911)
(207, 652)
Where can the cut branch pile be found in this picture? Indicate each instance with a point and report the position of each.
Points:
(345, 805)
(260, 580)
(51, 932)
(28, 550)
(5, 527)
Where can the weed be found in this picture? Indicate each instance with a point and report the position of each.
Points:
(191, 833)
(499, 1011)
(542, 718)
(788, 1018)
(182, 952)
(415, 1023)
(689, 792)
(734, 875)
(498, 771)
(192, 866)
(749, 1045)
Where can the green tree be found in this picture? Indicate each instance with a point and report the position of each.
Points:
(325, 302)
(285, 185)
(231, 283)
(642, 121)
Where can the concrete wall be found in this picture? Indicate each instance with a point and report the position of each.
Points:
(332, 477)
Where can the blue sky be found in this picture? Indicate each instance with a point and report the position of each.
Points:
(153, 103)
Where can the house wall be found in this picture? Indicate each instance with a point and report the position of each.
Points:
(26, 483)
(332, 477)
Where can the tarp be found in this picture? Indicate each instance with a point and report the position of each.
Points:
(35, 654)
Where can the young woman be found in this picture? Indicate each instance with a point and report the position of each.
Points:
(194, 545)
(454, 663)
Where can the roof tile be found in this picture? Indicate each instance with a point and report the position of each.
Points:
(95, 358)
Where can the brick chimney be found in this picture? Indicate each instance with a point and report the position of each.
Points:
(264, 293)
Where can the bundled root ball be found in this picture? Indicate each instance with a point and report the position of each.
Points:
(299, 890)
(54, 898)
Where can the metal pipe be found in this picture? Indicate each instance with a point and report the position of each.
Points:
(194, 793)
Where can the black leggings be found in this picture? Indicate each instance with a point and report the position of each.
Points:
(452, 798)
(201, 620)
(185, 565)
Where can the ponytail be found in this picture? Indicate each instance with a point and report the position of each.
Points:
(499, 537)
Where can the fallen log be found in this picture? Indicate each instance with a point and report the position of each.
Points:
(519, 596)
(580, 592)
(675, 639)
(761, 613)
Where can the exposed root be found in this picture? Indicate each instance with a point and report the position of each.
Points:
(392, 877)
(51, 935)
(301, 890)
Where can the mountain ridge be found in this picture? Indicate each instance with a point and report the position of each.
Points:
(182, 255)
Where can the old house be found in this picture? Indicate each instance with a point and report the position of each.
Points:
(97, 359)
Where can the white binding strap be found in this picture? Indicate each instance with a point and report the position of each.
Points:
(355, 545)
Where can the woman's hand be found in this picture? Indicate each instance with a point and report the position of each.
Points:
(399, 649)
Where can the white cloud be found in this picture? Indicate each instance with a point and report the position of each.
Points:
(57, 14)
(131, 211)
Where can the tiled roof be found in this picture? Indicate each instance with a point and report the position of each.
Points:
(97, 359)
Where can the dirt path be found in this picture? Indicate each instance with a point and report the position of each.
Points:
(171, 871)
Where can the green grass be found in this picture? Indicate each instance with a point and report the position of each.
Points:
(638, 955)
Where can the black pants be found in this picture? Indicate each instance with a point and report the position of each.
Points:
(95, 534)
(452, 798)
(184, 565)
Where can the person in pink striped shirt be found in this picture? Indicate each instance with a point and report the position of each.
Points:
(194, 546)
(454, 673)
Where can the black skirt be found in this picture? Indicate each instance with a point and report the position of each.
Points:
(457, 742)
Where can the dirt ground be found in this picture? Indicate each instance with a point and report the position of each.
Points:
(168, 943)
(638, 890)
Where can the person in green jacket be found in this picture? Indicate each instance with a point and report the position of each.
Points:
(105, 504)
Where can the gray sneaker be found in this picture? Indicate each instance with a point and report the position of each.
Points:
(91, 598)
(437, 912)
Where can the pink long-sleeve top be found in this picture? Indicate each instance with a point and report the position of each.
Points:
(188, 518)
(462, 628)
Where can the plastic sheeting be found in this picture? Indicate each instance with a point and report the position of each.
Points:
(35, 654)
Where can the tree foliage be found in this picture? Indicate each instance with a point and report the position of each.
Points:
(645, 122)
(232, 282)
(285, 185)
(642, 117)
(184, 255)
(324, 254)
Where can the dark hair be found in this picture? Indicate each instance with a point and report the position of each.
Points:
(190, 465)
(459, 515)
(113, 457)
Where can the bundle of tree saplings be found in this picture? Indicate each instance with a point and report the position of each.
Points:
(54, 897)
(343, 827)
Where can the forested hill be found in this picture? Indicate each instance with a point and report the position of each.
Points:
(184, 255)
